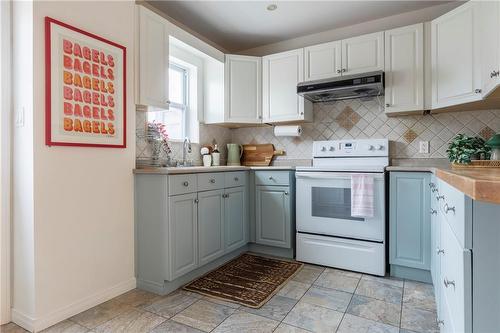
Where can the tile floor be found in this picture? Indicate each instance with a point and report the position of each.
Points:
(316, 300)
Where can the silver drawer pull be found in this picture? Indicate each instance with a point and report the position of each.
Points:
(212, 181)
(435, 190)
(433, 211)
(236, 179)
(432, 185)
(439, 251)
(271, 178)
(439, 197)
(286, 193)
(448, 283)
(186, 184)
(448, 208)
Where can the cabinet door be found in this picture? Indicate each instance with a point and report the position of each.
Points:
(243, 89)
(183, 234)
(280, 74)
(456, 64)
(409, 220)
(153, 59)
(273, 216)
(323, 61)
(235, 218)
(363, 54)
(404, 69)
(490, 46)
(210, 225)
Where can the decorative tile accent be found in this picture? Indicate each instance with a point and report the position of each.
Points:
(410, 135)
(486, 133)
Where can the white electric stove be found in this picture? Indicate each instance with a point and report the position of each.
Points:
(327, 234)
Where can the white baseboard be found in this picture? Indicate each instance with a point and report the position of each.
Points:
(38, 324)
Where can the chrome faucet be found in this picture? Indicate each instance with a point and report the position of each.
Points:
(186, 149)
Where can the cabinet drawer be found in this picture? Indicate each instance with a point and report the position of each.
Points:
(233, 179)
(210, 181)
(457, 210)
(456, 280)
(272, 178)
(181, 184)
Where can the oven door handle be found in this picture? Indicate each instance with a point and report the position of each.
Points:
(334, 175)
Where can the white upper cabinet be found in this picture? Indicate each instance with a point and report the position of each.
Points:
(281, 73)
(243, 91)
(490, 46)
(363, 54)
(153, 59)
(323, 61)
(455, 57)
(404, 69)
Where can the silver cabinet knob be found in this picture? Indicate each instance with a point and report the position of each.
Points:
(339, 71)
(196, 201)
(439, 251)
(433, 211)
(448, 209)
(271, 178)
(435, 190)
(186, 183)
(225, 195)
(286, 193)
(236, 179)
(439, 197)
(344, 70)
(440, 322)
(478, 91)
(432, 185)
(448, 283)
(387, 105)
(212, 181)
(302, 113)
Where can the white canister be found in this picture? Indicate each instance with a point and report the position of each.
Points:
(207, 160)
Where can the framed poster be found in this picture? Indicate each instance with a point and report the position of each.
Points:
(85, 82)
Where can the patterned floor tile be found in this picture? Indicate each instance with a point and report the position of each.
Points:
(353, 324)
(419, 320)
(313, 318)
(386, 280)
(132, 321)
(419, 295)
(173, 327)
(221, 302)
(335, 280)
(65, 326)
(370, 308)
(308, 274)
(328, 298)
(381, 291)
(203, 315)
(100, 314)
(294, 289)
(12, 328)
(137, 298)
(284, 328)
(241, 321)
(172, 304)
(276, 308)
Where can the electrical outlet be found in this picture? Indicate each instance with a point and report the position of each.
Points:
(424, 147)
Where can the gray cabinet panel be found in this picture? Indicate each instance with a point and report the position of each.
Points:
(183, 234)
(210, 225)
(273, 216)
(235, 216)
(409, 220)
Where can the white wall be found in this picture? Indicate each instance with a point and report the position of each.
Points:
(385, 23)
(83, 197)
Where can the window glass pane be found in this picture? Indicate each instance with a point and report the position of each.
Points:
(177, 86)
(174, 122)
(331, 202)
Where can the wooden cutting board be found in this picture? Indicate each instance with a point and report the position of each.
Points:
(259, 155)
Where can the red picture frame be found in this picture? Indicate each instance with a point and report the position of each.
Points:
(58, 133)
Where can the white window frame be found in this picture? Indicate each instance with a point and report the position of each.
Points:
(185, 106)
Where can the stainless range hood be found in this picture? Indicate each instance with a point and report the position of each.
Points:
(343, 87)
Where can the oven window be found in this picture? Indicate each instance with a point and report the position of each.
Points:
(331, 202)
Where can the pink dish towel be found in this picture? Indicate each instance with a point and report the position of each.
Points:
(362, 195)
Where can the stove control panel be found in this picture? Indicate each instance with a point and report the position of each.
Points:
(353, 148)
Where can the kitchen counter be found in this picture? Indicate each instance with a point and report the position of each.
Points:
(201, 169)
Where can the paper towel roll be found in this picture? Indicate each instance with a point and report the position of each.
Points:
(291, 130)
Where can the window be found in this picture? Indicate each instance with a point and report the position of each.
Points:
(176, 118)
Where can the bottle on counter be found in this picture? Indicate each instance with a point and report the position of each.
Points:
(215, 156)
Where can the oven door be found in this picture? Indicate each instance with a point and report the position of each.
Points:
(324, 206)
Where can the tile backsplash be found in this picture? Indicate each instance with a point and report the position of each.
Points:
(347, 120)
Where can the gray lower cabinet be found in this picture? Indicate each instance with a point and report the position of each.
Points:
(182, 234)
(273, 221)
(409, 225)
(235, 218)
(210, 225)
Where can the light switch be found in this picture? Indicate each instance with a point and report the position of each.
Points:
(424, 147)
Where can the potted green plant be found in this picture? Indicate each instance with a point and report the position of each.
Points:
(463, 149)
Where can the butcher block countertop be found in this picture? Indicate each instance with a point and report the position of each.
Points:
(481, 184)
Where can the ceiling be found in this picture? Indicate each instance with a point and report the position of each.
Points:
(241, 25)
